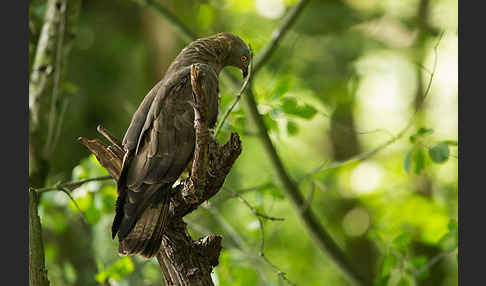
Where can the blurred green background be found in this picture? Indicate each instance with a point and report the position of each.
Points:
(347, 77)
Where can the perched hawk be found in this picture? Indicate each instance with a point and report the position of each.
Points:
(159, 142)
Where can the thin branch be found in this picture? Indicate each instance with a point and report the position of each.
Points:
(278, 35)
(253, 210)
(238, 95)
(60, 123)
(81, 213)
(67, 188)
(71, 185)
(261, 253)
(436, 259)
(308, 201)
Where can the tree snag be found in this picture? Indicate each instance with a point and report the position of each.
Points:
(184, 261)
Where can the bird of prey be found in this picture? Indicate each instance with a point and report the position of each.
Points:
(159, 142)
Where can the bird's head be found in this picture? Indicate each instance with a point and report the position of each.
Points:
(238, 52)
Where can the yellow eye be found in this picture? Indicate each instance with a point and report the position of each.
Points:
(243, 58)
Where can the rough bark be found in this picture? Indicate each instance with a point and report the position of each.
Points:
(50, 50)
(37, 270)
(184, 261)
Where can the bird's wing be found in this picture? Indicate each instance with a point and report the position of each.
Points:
(166, 141)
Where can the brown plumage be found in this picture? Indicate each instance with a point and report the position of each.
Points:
(159, 142)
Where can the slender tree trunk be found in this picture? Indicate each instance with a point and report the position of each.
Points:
(46, 64)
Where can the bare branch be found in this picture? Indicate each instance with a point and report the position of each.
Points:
(253, 210)
(71, 186)
(81, 213)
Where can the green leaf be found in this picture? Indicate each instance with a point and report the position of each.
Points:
(449, 241)
(281, 88)
(422, 131)
(451, 142)
(412, 139)
(404, 281)
(292, 128)
(70, 272)
(388, 264)
(407, 162)
(290, 106)
(419, 160)
(403, 240)
(274, 192)
(69, 87)
(440, 152)
(239, 124)
(418, 263)
(270, 122)
(453, 225)
(116, 271)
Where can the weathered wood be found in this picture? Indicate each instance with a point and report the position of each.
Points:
(184, 261)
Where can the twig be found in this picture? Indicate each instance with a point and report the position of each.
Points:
(81, 213)
(253, 210)
(436, 259)
(308, 201)
(261, 253)
(71, 185)
(67, 188)
(238, 239)
(238, 95)
(60, 122)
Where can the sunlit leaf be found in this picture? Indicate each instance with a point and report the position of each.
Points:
(292, 128)
(450, 142)
(418, 160)
(116, 271)
(270, 123)
(403, 240)
(388, 264)
(439, 153)
(290, 106)
(407, 162)
(418, 263)
(422, 131)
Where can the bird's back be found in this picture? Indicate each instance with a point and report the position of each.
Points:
(160, 143)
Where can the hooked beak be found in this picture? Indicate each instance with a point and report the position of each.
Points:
(245, 72)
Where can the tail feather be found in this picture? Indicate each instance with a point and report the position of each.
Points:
(146, 235)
